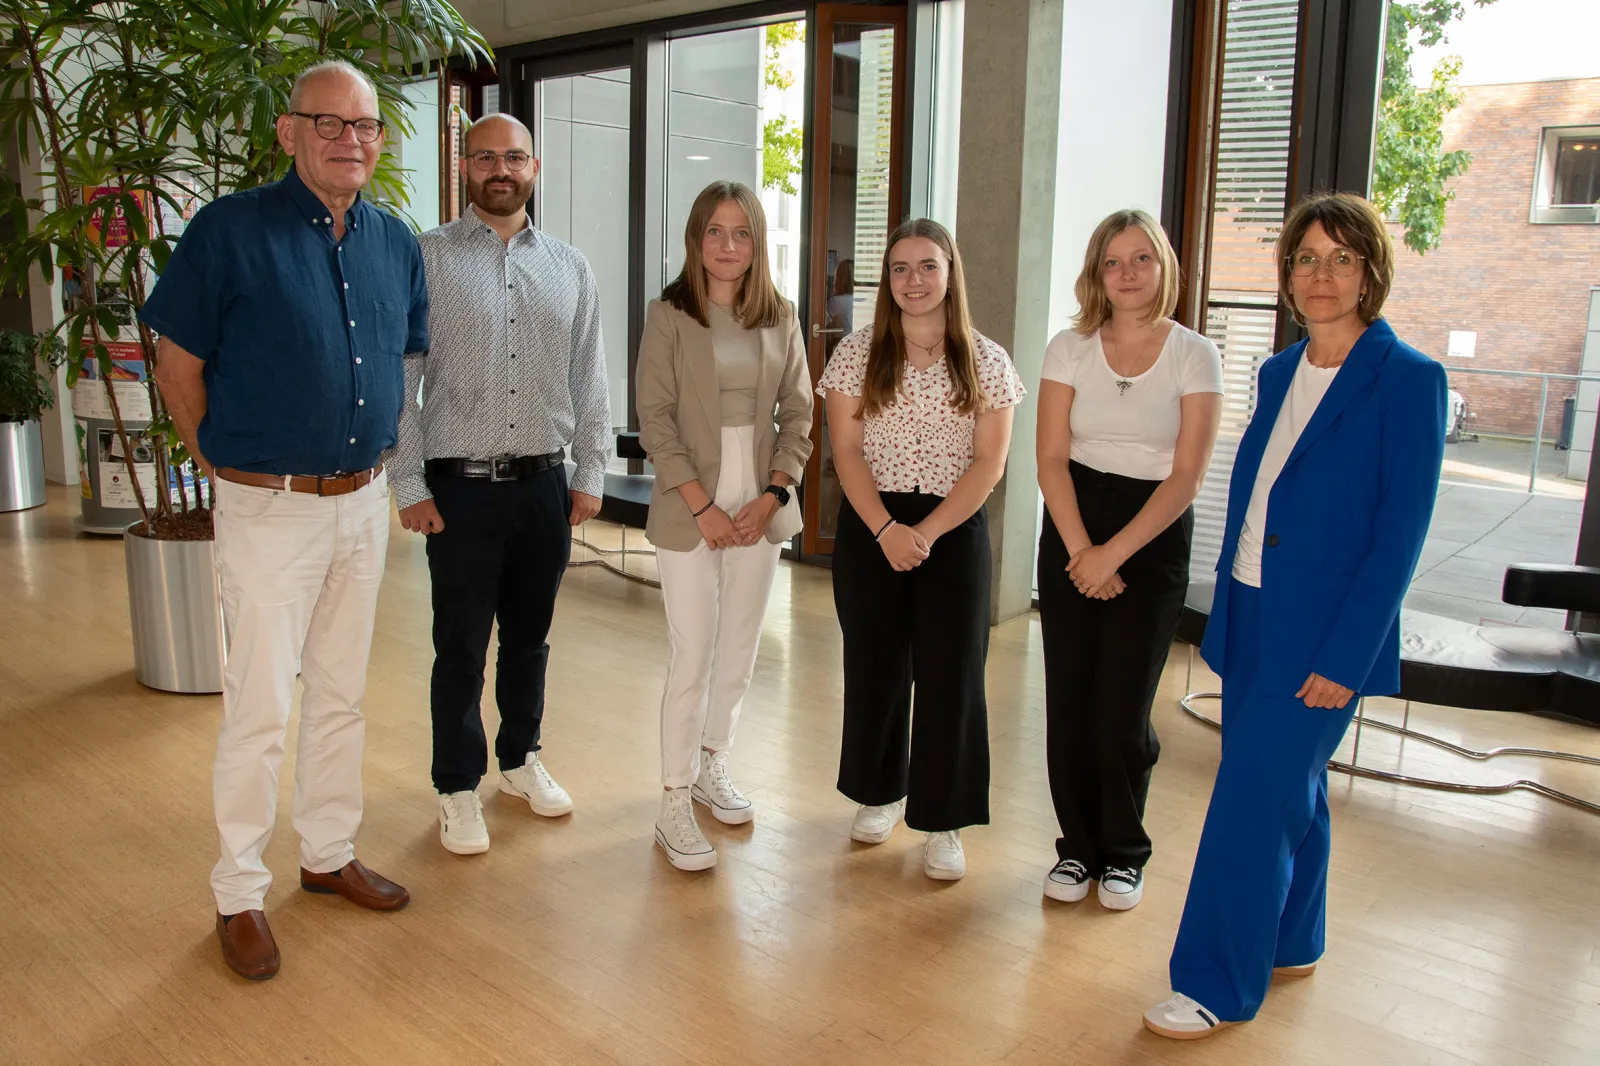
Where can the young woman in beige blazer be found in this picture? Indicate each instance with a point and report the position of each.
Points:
(724, 401)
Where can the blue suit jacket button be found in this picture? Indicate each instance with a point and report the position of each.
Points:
(1272, 540)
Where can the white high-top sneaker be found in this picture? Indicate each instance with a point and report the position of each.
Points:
(533, 783)
(716, 790)
(461, 825)
(943, 858)
(874, 824)
(679, 835)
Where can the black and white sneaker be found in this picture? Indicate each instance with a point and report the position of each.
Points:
(1068, 881)
(1121, 888)
(1181, 1018)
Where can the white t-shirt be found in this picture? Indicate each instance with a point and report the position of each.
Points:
(1129, 426)
(1310, 385)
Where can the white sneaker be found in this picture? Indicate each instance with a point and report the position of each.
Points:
(1181, 1018)
(533, 783)
(1121, 888)
(679, 835)
(1304, 969)
(874, 824)
(1068, 881)
(942, 857)
(461, 826)
(715, 789)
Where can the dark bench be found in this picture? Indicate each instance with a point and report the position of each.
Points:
(625, 500)
(1449, 663)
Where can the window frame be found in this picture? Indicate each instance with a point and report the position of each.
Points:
(1543, 210)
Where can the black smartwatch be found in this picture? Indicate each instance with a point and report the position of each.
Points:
(781, 493)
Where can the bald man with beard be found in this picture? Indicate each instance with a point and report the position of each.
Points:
(515, 375)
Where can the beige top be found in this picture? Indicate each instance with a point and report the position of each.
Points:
(680, 417)
(738, 352)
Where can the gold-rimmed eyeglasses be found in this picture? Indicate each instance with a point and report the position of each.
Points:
(1341, 263)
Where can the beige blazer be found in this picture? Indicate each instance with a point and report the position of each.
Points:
(680, 418)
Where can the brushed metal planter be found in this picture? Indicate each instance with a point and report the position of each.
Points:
(176, 610)
(21, 466)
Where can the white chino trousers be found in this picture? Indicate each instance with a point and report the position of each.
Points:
(300, 576)
(715, 602)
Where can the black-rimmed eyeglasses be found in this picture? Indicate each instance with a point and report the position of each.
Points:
(515, 159)
(331, 127)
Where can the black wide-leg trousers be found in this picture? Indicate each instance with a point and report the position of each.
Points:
(919, 636)
(1102, 662)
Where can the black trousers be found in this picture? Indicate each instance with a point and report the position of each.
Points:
(501, 554)
(925, 629)
(1102, 662)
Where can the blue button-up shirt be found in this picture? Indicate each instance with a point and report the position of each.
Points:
(303, 337)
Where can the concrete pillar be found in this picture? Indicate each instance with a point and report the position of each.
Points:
(1006, 201)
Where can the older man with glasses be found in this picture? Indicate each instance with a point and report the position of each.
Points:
(516, 374)
(284, 313)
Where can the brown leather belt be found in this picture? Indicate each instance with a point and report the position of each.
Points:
(315, 484)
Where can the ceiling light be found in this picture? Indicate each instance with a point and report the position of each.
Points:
(697, 158)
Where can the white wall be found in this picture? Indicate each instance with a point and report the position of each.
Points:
(1113, 126)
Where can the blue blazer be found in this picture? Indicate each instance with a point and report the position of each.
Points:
(1345, 520)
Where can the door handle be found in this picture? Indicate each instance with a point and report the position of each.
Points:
(818, 331)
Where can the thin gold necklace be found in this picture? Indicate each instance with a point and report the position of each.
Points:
(938, 344)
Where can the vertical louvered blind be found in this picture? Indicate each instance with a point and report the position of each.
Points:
(1252, 177)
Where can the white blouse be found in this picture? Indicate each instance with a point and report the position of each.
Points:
(920, 443)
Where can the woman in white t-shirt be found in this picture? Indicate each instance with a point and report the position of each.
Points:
(919, 411)
(1128, 413)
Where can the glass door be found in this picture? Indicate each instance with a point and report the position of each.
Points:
(579, 112)
(859, 56)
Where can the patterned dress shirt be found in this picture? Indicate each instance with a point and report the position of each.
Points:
(516, 365)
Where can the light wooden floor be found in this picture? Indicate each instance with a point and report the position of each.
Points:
(1461, 930)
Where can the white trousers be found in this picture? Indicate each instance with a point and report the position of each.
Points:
(715, 601)
(300, 576)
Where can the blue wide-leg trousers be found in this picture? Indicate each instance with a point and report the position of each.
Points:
(1258, 895)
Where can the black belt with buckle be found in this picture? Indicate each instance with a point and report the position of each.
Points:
(502, 468)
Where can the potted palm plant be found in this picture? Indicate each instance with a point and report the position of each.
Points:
(142, 109)
(25, 395)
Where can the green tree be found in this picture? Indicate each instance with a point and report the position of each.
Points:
(781, 140)
(1412, 171)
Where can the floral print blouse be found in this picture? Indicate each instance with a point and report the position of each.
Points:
(920, 443)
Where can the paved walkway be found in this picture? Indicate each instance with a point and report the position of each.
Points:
(1477, 532)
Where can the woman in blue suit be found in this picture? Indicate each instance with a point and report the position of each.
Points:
(1332, 491)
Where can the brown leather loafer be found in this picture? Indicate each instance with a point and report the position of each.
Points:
(359, 885)
(247, 945)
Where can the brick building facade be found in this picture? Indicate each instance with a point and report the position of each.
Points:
(1521, 286)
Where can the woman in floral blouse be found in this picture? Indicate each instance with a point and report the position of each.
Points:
(919, 412)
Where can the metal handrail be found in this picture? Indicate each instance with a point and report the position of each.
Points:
(1544, 402)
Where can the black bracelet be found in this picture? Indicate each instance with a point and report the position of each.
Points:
(707, 507)
(879, 534)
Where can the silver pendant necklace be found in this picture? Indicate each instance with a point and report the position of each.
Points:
(1123, 384)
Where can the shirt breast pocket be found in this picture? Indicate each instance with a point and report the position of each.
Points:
(391, 322)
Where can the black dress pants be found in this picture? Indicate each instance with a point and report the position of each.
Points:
(501, 554)
(1102, 662)
(925, 629)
